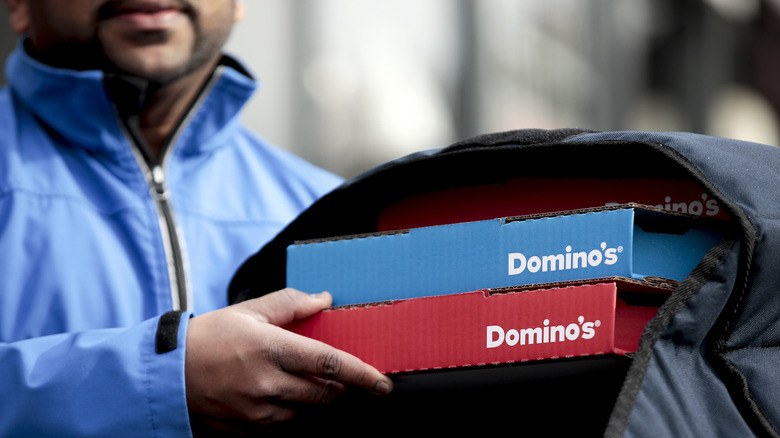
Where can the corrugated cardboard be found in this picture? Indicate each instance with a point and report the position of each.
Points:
(483, 328)
(625, 241)
(534, 195)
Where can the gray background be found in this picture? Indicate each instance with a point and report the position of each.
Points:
(349, 84)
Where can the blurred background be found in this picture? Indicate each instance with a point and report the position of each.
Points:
(349, 84)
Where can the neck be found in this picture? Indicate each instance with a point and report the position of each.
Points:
(162, 112)
(165, 106)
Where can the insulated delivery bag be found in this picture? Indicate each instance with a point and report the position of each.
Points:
(702, 360)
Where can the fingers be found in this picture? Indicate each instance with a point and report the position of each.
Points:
(284, 306)
(307, 357)
(242, 365)
(301, 355)
(304, 390)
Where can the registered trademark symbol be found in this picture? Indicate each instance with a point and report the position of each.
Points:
(620, 249)
(598, 323)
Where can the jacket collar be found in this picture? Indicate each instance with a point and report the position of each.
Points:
(76, 106)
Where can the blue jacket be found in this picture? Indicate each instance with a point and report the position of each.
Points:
(95, 246)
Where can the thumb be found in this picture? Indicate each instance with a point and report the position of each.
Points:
(286, 305)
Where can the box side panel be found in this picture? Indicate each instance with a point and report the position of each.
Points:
(565, 248)
(463, 257)
(533, 195)
(471, 328)
(424, 262)
(492, 254)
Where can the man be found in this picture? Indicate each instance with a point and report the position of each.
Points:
(129, 194)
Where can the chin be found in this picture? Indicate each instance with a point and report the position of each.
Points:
(163, 67)
(162, 76)
(156, 73)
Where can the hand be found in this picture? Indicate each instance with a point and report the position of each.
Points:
(241, 366)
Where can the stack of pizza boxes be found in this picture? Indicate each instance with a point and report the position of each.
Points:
(507, 273)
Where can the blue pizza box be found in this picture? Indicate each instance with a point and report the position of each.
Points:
(630, 241)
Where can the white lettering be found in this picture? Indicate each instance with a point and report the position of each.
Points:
(588, 331)
(696, 208)
(712, 205)
(512, 337)
(572, 331)
(610, 256)
(548, 262)
(494, 341)
(547, 333)
(705, 207)
(534, 263)
(594, 258)
(518, 262)
(515, 257)
(527, 336)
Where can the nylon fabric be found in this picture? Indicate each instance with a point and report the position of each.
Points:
(84, 271)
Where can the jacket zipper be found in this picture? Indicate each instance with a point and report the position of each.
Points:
(154, 173)
(174, 244)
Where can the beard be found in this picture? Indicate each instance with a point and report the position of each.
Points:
(160, 55)
(152, 67)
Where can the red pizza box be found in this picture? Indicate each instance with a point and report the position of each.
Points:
(534, 195)
(484, 327)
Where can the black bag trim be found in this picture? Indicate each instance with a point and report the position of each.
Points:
(719, 334)
(637, 370)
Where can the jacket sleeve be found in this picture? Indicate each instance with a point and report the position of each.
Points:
(108, 382)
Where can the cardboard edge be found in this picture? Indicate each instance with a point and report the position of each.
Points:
(645, 213)
(647, 285)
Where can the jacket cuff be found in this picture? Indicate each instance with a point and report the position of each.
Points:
(165, 380)
(167, 337)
